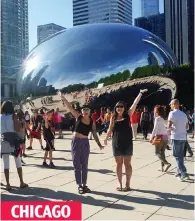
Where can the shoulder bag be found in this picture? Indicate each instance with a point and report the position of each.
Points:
(157, 140)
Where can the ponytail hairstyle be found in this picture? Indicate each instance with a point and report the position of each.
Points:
(160, 110)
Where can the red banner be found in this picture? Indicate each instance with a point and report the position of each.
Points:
(41, 210)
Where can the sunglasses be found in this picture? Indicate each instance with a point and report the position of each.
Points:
(119, 106)
(86, 109)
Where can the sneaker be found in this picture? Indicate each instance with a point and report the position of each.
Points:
(45, 164)
(178, 175)
(168, 148)
(190, 155)
(185, 177)
(51, 165)
(29, 148)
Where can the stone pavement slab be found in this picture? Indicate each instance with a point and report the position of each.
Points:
(154, 196)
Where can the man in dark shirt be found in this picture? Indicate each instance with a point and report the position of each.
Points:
(36, 121)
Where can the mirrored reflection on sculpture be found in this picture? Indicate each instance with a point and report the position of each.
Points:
(85, 54)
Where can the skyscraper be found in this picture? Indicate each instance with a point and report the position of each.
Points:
(14, 42)
(44, 31)
(153, 23)
(149, 7)
(102, 11)
(179, 28)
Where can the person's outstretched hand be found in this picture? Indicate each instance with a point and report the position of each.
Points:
(143, 90)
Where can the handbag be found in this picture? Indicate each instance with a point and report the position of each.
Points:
(157, 140)
(14, 148)
(17, 147)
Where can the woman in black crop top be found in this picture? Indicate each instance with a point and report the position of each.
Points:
(122, 143)
(80, 144)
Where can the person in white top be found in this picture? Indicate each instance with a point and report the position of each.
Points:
(9, 126)
(27, 119)
(160, 129)
(178, 125)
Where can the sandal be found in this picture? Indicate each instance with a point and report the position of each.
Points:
(119, 189)
(168, 166)
(86, 189)
(80, 190)
(127, 189)
(23, 185)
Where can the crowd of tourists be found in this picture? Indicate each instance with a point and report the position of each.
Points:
(121, 125)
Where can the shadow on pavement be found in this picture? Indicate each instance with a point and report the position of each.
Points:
(54, 158)
(102, 171)
(43, 194)
(172, 200)
(162, 199)
(173, 173)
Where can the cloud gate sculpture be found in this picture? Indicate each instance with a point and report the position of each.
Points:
(87, 53)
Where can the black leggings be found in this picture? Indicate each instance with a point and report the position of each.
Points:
(145, 128)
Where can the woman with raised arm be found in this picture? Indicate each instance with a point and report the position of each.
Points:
(122, 143)
(80, 144)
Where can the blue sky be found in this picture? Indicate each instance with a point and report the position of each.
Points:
(59, 12)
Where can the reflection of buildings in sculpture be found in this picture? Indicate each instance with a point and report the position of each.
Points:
(42, 82)
(167, 58)
(153, 23)
(32, 84)
(98, 11)
(37, 77)
(153, 59)
(42, 87)
(87, 53)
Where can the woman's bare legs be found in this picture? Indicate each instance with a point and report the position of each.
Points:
(119, 164)
(128, 170)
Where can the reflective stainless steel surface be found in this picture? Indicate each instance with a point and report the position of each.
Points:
(86, 53)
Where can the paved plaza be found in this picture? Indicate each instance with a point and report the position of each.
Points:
(154, 196)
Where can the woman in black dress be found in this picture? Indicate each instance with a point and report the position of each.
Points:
(122, 143)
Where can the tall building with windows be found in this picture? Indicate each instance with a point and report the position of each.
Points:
(14, 42)
(153, 23)
(149, 7)
(44, 31)
(179, 28)
(102, 11)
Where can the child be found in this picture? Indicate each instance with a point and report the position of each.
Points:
(48, 137)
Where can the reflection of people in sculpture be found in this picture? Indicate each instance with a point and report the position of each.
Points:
(122, 143)
(80, 144)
